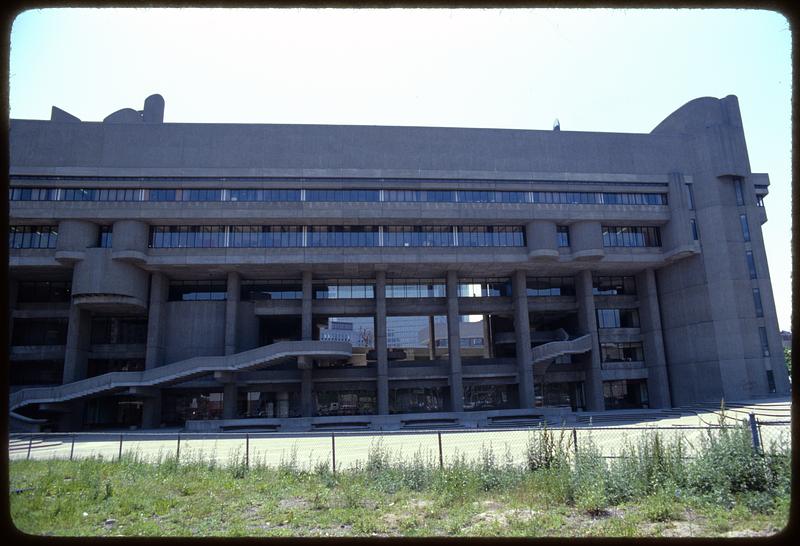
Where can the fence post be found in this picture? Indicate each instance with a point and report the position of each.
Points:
(333, 451)
(178, 452)
(247, 450)
(754, 433)
(30, 444)
(119, 457)
(441, 458)
(72, 448)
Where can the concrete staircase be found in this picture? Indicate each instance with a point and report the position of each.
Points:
(178, 371)
(549, 351)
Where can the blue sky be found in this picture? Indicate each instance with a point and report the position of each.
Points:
(596, 70)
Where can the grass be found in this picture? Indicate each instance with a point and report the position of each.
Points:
(652, 491)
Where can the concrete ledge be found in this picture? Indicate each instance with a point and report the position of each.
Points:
(590, 255)
(543, 254)
(133, 256)
(69, 256)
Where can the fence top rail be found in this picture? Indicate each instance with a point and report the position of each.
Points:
(188, 436)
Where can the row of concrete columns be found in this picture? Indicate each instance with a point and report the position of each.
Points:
(79, 326)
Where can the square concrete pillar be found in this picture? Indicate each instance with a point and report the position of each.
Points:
(522, 331)
(307, 318)
(151, 410)
(77, 346)
(653, 340)
(156, 320)
(587, 322)
(454, 343)
(229, 395)
(13, 287)
(231, 311)
(306, 393)
(380, 343)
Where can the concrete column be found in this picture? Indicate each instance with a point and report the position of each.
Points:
(229, 395)
(76, 353)
(522, 330)
(151, 410)
(231, 311)
(454, 343)
(586, 241)
(380, 343)
(307, 320)
(542, 240)
(306, 394)
(653, 340)
(587, 322)
(156, 320)
(432, 342)
(306, 401)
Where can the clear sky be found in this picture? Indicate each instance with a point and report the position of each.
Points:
(596, 70)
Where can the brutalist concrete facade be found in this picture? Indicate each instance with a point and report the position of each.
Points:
(542, 272)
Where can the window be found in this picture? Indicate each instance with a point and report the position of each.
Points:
(343, 195)
(762, 332)
(613, 286)
(118, 330)
(562, 233)
(760, 199)
(343, 236)
(343, 289)
(617, 318)
(411, 288)
(198, 290)
(483, 288)
(476, 236)
(264, 195)
(757, 302)
(771, 381)
(76, 194)
(44, 292)
(39, 332)
(621, 352)
(104, 237)
(751, 264)
(271, 290)
(631, 236)
(32, 236)
(695, 235)
(745, 227)
(187, 236)
(472, 196)
(31, 194)
(689, 196)
(161, 195)
(412, 236)
(550, 286)
(737, 184)
(201, 195)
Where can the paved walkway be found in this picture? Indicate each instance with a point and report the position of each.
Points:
(310, 449)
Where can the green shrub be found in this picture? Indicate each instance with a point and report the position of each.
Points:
(546, 450)
(662, 505)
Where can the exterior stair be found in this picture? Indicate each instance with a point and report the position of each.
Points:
(549, 351)
(180, 371)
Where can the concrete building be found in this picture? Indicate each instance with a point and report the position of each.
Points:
(300, 276)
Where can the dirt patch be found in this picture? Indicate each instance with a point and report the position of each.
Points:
(418, 503)
(502, 517)
(293, 503)
(769, 531)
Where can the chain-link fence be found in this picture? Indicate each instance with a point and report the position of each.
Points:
(341, 450)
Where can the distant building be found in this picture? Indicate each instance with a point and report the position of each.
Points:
(323, 271)
(786, 339)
